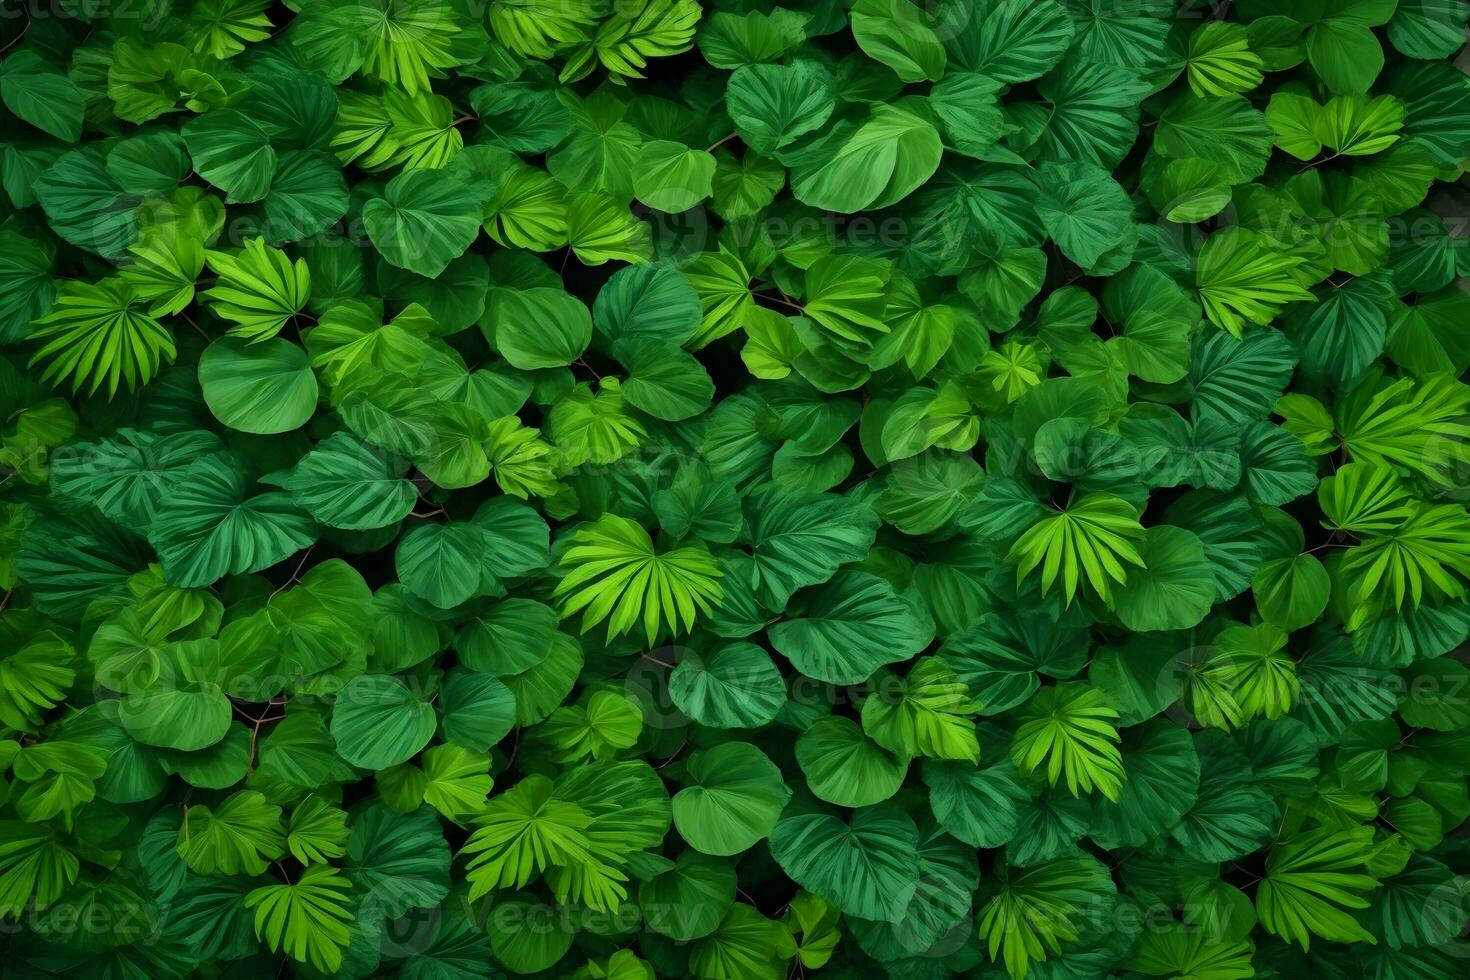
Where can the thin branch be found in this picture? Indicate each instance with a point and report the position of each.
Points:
(23, 31)
(294, 575)
(515, 747)
(783, 302)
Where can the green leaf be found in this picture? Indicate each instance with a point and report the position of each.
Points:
(844, 630)
(1014, 42)
(745, 946)
(1291, 592)
(1226, 130)
(379, 722)
(730, 41)
(595, 426)
(736, 686)
(476, 710)
(1429, 29)
(43, 97)
(184, 706)
(85, 204)
(233, 152)
(663, 380)
(36, 679)
(1084, 210)
(1178, 952)
(524, 830)
(1310, 882)
(34, 866)
(307, 919)
(654, 28)
(521, 118)
(239, 836)
(25, 283)
(868, 165)
(690, 899)
(1221, 61)
(264, 388)
(651, 302)
(1163, 774)
(346, 483)
(612, 572)
(979, 806)
(1068, 730)
(98, 333)
(208, 527)
(999, 657)
(1344, 53)
(510, 637)
(259, 288)
(928, 714)
(1236, 379)
(845, 766)
(398, 861)
(1033, 911)
(1233, 815)
(733, 798)
(164, 271)
(457, 781)
(867, 867)
(1093, 112)
(542, 327)
(316, 831)
(774, 105)
(1242, 277)
(1342, 335)
(1174, 589)
(308, 195)
(897, 34)
(799, 540)
(444, 563)
(1089, 541)
(423, 221)
(671, 177)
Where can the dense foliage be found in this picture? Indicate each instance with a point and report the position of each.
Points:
(735, 491)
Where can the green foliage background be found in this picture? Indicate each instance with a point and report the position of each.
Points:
(585, 489)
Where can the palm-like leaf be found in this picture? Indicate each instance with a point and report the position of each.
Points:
(1416, 426)
(100, 333)
(35, 866)
(612, 572)
(1069, 730)
(1364, 498)
(1248, 675)
(1311, 879)
(164, 270)
(1244, 277)
(931, 715)
(409, 40)
(1038, 909)
(537, 28)
(522, 832)
(1427, 555)
(260, 289)
(653, 29)
(307, 919)
(1091, 539)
